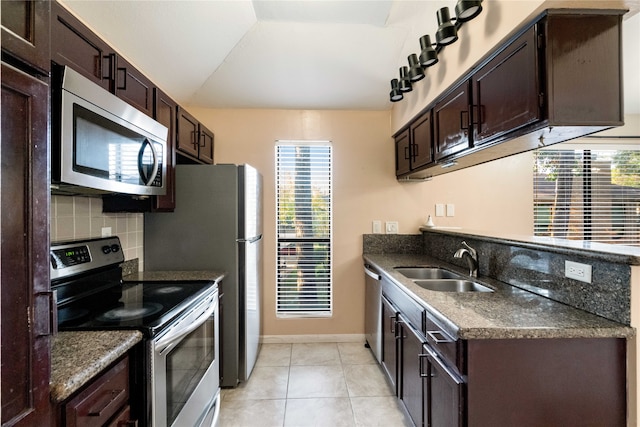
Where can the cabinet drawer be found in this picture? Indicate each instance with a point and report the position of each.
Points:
(411, 311)
(448, 347)
(102, 399)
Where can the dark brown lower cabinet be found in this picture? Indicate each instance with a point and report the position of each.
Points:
(447, 382)
(546, 382)
(389, 342)
(444, 393)
(412, 381)
(102, 402)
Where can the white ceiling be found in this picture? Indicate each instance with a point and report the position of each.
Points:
(289, 54)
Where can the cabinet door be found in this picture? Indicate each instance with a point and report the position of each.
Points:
(25, 32)
(133, 87)
(445, 395)
(452, 119)
(205, 154)
(506, 90)
(26, 300)
(421, 141)
(389, 342)
(165, 110)
(188, 134)
(403, 153)
(74, 45)
(412, 383)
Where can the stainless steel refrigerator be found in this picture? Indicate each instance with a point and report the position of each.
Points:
(217, 225)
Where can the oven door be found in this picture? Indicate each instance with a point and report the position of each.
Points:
(186, 369)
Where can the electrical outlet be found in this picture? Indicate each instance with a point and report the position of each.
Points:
(391, 227)
(577, 271)
(106, 231)
(376, 227)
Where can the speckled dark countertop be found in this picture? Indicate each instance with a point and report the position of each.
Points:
(77, 357)
(508, 312)
(176, 276)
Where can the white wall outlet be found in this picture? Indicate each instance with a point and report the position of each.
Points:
(391, 227)
(376, 227)
(577, 271)
(451, 209)
(439, 209)
(106, 231)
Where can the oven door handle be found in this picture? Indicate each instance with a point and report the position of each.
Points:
(166, 343)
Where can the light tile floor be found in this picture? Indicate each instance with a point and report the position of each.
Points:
(318, 384)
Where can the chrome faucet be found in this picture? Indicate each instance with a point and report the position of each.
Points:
(471, 258)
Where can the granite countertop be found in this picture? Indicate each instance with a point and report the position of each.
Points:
(508, 312)
(77, 357)
(176, 276)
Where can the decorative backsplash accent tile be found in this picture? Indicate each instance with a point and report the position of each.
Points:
(77, 217)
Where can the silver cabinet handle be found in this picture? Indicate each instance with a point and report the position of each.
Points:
(439, 337)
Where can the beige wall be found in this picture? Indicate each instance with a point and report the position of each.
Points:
(365, 189)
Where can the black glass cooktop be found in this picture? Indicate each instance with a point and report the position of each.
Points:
(145, 306)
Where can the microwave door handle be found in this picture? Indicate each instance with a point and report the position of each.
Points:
(147, 179)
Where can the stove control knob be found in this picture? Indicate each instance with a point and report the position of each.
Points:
(115, 248)
(106, 249)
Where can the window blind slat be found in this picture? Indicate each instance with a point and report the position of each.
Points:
(303, 205)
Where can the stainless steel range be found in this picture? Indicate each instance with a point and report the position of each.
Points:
(179, 322)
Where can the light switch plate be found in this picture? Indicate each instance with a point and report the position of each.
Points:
(451, 210)
(376, 227)
(439, 209)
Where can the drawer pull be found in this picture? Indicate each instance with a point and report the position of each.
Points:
(105, 401)
(439, 337)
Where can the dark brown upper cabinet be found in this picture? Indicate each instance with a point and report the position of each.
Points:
(25, 33)
(555, 79)
(195, 141)
(74, 45)
(414, 146)
(452, 120)
(165, 111)
(506, 90)
(133, 87)
(403, 152)
(422, 141)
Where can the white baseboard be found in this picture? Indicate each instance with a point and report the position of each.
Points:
(297, 339)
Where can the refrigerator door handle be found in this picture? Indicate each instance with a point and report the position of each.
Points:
(251, 240)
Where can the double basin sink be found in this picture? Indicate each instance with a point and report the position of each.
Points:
(441, 280)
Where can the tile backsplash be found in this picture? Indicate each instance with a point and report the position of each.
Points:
(75, 217)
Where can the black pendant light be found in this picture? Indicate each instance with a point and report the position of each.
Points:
(416, 73)
(405, 82)
(447, 32)
(466, 10)
(395, 95)
(428, 55)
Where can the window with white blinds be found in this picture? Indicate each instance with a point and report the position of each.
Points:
(588, 195)
(304, 205)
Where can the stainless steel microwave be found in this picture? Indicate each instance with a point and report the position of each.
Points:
(101, 144)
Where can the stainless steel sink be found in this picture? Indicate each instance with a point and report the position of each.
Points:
(452, 285)
(427, 273)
